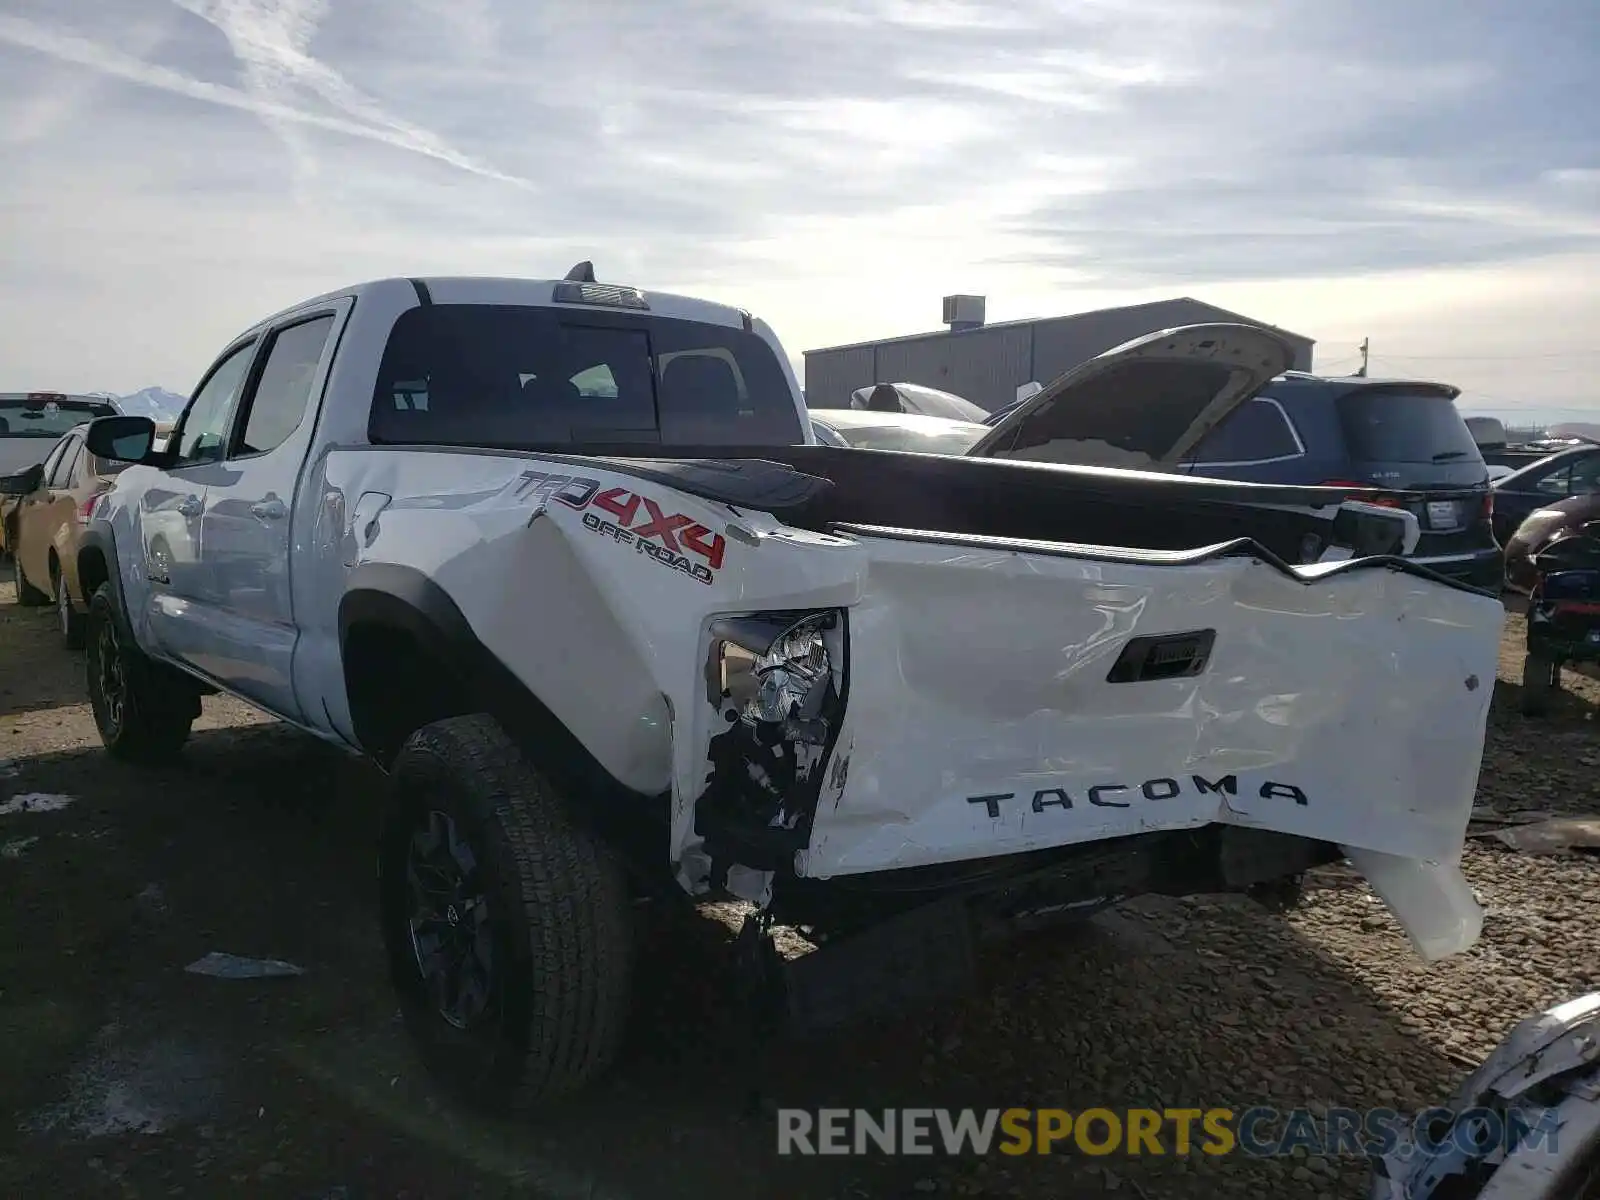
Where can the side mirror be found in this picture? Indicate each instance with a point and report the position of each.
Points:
(121, 439)
(23, 483)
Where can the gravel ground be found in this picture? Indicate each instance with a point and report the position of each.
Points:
(124, 1076)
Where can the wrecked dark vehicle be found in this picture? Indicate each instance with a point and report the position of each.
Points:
(1563, 611)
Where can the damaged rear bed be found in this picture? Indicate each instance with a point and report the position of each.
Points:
(986, 676)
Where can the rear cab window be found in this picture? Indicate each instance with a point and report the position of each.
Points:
(527, 375)
(1405, 424)
(47, 414)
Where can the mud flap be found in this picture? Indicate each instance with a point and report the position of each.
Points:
(919, 956)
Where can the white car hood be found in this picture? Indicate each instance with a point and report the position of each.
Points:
(1144, 404)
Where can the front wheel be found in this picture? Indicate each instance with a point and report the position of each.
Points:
(507, 926)
(143, 715)
(1541, 678)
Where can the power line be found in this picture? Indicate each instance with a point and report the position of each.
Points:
(1404, 364)
(1490, 357)
(1337, 364)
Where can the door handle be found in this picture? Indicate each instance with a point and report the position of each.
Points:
(269, 510)
(190, 506)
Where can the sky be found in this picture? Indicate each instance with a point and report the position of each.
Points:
(1422, 173)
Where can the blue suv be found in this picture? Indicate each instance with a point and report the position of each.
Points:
(1402, 436)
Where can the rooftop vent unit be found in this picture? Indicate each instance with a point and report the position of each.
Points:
(963, 312)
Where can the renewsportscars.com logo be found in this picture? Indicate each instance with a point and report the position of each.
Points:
(1259, 1132)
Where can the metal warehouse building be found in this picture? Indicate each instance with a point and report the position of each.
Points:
(986, 364)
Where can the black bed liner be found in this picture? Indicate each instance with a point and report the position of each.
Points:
(931, 496)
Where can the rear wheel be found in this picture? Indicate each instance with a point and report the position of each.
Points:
(508, 927)
(68, 619)
(1540, 680)
(27, 595)
(143, 714)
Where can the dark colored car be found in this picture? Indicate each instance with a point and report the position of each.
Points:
(1543, 484)
(1563, 611)
(1000, 414)
(1539, 527)
(1403, 437)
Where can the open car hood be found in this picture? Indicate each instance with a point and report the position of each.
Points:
(1144, 404)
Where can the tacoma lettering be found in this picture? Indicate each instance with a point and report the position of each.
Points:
(1117, 795)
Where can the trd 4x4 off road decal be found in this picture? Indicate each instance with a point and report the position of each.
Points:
(630, 519)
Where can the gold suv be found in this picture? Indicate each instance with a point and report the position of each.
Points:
(44, 522)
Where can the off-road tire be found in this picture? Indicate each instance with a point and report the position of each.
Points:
(69, 620)
(1539, 684)
(559, 918)
(27, 595)
(147, 719)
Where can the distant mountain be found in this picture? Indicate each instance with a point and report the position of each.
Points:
(156, 403)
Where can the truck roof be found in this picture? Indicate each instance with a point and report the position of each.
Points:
(492, 289)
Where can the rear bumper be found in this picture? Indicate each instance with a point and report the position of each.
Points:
(914, 931)
(1484, 569)
(1211, 859)
(909, 935)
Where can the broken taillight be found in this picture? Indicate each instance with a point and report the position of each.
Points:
(86, 509)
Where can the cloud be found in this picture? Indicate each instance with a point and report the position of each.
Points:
(839, 164)
(270, 46)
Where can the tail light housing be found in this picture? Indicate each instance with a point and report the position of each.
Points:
(86, 509)
(1377, 497)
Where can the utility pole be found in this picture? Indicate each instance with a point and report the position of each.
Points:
(1363, 369)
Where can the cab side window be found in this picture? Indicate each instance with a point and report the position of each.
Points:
(1556, 483)
(203, 435)
(283, 393)
(61, 478)
(1585, 476)
(52, 461)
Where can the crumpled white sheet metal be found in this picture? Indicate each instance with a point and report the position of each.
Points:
(1548, 1065)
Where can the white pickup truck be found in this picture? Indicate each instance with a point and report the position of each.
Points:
(565, 559)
